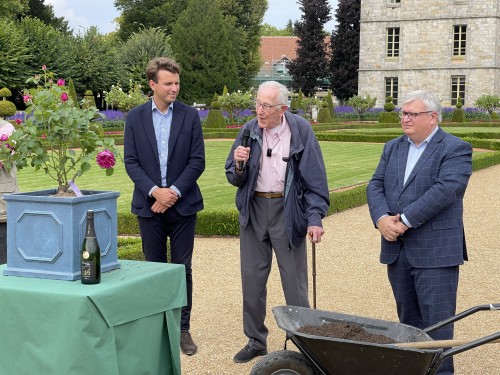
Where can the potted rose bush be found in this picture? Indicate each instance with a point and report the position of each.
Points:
(46, 228)
(57, 136)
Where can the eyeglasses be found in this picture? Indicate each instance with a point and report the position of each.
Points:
(411, 115)
(265, 107)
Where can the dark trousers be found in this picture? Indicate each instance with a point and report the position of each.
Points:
(155, 231)
(3, 243)
(425, 296)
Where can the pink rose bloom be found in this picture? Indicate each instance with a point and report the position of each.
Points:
(105, 159)
(64, 97)
(19, 121)
(4, 137)
(44, 67)
(61, 82)
(43, 136)
(26, 98)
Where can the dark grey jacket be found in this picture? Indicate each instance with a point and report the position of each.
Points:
(306, 196)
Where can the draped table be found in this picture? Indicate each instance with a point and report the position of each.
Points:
(129, 324)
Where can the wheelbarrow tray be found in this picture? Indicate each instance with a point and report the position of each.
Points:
(338, 356)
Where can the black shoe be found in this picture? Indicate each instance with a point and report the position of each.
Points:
(188, 346)
(247, 354)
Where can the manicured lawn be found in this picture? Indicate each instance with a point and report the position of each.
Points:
(449, 129)
(346, 164)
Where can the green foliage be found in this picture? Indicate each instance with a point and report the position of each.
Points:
(118, 99)
(459, 104)
(96, 61)
(14, 52)
(488, 102)
(247, 16)
(388, 118)
(141, 47)
(217, 223)
(207, 62)
(294, 104)
(389, 105)
(9, 9)
(269, 30)
(458, 114)
(309, 104)
(5, 92)
(130, 248)
(7, 108)
(324, 114)
(55, 127)
(485, 160)
(361, 104)
(347, 199)
(45, 13)
(344, 46)
(235, 102)
(88, 99)
(72, 93)
(300, 99)
(136, 15)
(329, 101)
(311, 65)
(215, 118)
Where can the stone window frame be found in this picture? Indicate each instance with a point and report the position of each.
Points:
(392, 42)
(392, 88)
(459, 48)
(458, 84)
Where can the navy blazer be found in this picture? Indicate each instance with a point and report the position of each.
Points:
(431, 199)
(186, 158)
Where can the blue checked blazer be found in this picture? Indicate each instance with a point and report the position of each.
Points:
(431, 199)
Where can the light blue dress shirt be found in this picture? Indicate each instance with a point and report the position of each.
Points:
(414, 154)
(162, 123)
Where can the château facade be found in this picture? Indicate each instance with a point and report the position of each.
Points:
(451, 47)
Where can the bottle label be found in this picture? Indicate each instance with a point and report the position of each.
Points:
(85, 255)
(89, 270)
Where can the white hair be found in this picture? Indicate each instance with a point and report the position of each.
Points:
(431, 101)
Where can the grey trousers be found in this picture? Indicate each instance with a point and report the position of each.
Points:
(267, 231)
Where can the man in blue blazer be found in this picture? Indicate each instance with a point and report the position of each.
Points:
(164, 157)
(415, 199)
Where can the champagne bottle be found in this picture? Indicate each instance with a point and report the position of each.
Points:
(90, 256)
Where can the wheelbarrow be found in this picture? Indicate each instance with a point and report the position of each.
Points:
(413, 353)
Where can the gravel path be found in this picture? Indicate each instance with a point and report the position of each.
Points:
(350, 280)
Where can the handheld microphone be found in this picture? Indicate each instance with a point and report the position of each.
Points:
(244, 143)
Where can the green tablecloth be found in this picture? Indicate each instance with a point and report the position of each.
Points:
(129, 324)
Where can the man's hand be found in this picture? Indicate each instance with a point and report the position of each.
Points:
(165, 198)
(315, 233)
(241, 154)
(391, 228)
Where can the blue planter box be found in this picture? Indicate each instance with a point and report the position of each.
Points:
(45, 233)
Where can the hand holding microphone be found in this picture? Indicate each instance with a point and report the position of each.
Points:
(244, 144)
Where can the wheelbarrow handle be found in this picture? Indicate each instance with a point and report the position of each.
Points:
(431, 344)
(463, 314)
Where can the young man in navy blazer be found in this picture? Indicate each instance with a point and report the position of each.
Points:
(164, 157)
(415, 199)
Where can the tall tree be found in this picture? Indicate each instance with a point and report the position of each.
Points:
(310, 67)
(248, 16)
(141, 14)
(12, 8)
(96, 61)
(45, 13)
(139, 49)
(344, 48)
(49, 47)
(207, 51)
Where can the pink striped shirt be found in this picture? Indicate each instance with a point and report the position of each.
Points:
(275, 146)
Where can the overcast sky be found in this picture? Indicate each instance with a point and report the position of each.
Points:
(81, 14)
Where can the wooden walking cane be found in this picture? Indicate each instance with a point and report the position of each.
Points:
(314, 273)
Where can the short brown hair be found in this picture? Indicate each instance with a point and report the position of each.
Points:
(161, 63)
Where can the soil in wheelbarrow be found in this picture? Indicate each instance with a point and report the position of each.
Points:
(345, 330)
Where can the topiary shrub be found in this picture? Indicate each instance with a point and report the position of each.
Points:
(215, 119)
(458, 114)
(89, 100)
(7, 108)
(294, 106)
(324, 114)
(72, 94)
(389, 105)
(388, 118)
